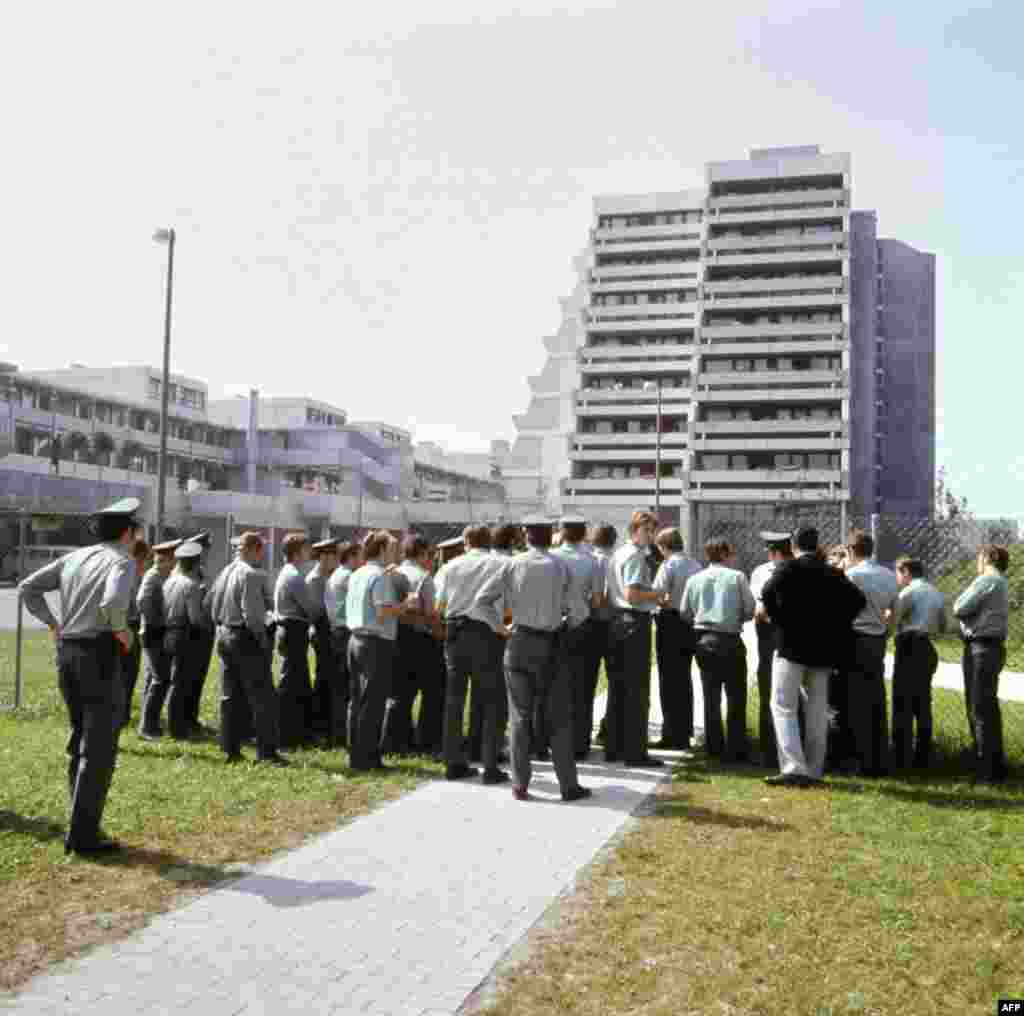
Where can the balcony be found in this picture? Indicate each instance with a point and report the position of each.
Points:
(834, 394)
(636, 367)
(669, 269)
(794, 258)
(785, 478)
(721, 286)
(626, 502)
(640, 352)
(649, 246)
(778, 215)
(645, 285)
(676, 230)
(806, 196)
(699, 427)
(769, 348)
(671, 439)
(754, 243)
(669, 454)
(742, 331)
(778, 494)
(805, 300)
(684, 308)
(671, 484)
(771, 444)
(770, 377)
(587, 397)
(672, 324)
(634, 412)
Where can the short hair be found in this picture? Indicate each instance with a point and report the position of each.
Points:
(250, 541)
(913, 566)
(574, 532)
(477, 537)
(112, 527)
(504, 537)
(995, 555)
(604, 536)
(717, 550)
(671, 539)
(642, 518)
(539, 536)
(861, 543)
(375, 543)
(347, 551)
(293, 544)
(140, 550)
(556, 539)
(188, 565)
(806, 539)
(413, 545)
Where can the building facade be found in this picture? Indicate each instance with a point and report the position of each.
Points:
(753, 341)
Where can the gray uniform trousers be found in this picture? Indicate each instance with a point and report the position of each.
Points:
(536, 670)
(181, 647)
(983, 660)
(89, 674)
(472, 650)
(247, 693)
(129, 669)
(371, 662)
(157, 669)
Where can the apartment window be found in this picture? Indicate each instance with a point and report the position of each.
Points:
(154, 388)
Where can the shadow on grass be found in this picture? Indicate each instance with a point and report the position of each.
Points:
(700, 815)
(42, 829)
(954, 798)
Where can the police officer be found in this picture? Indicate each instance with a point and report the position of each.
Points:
(675, 643)
(633, 599)
(325, 553)
(372, 610)
(473, 637)
(238, 606)
(294, 615)
(535, 586)
(129, 662)
(919, 614)
(204, 637)
(95, 586)
(586, 592)
(779, 547)
(602, 543)
(183, 608)
(150, 600)
(335, 597)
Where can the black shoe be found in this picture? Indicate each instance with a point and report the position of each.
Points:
(789, 780)
(610, 756)
(503, 758)
(648, 762)
(234, 757)
(577, 793)
(460, 772)
(273, 760)
(544, 755)
(151, 735)
(493, 776)
(96, 847)
(582, 756)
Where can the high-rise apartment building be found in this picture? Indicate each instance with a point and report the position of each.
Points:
(786, 352)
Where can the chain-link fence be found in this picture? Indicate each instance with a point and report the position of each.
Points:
(948, 549)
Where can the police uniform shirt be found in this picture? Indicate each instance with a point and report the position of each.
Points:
(921, 608)
(183, 601)
(673, 576)
(134, 616)
(238, 599)
(760, 576)
(291, 599)
(583, 581)
(150, 599)
(602, 559)
(459, 582)
(369, 588)
(629, 566)
(879, 586)
(335, 592)
(983, 608)
(95, 586)
(420, 582)
(315, 586)
(718, 599)
(534, 586)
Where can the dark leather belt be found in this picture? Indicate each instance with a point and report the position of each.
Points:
(539, 632)
(991, 640)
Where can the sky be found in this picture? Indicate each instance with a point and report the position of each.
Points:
(378, 205)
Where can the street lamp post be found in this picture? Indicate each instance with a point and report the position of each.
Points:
(656, 386)
(164, 236)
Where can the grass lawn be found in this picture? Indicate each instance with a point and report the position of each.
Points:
(730, 897)
(188, 819)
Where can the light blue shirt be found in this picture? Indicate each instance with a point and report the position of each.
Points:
(535, 586)
(879, 586)
(629, 566)
(718, 599)
(602, 559)
(369, 588)
(334, 596)
(458, 583)
(673, 576)
(920, 607)
(983, 608)
(584, 575)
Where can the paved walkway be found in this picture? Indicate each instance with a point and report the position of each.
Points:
(402, 912)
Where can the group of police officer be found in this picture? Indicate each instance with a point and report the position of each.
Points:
(526, 632)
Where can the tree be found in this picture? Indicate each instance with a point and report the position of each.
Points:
(947, 504)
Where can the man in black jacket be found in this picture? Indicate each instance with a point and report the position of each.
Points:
(813, 606)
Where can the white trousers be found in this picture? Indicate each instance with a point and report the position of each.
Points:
(790, 681)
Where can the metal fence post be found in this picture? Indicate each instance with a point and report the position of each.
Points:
(17, 658)
(874, 530)
(844, 523)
